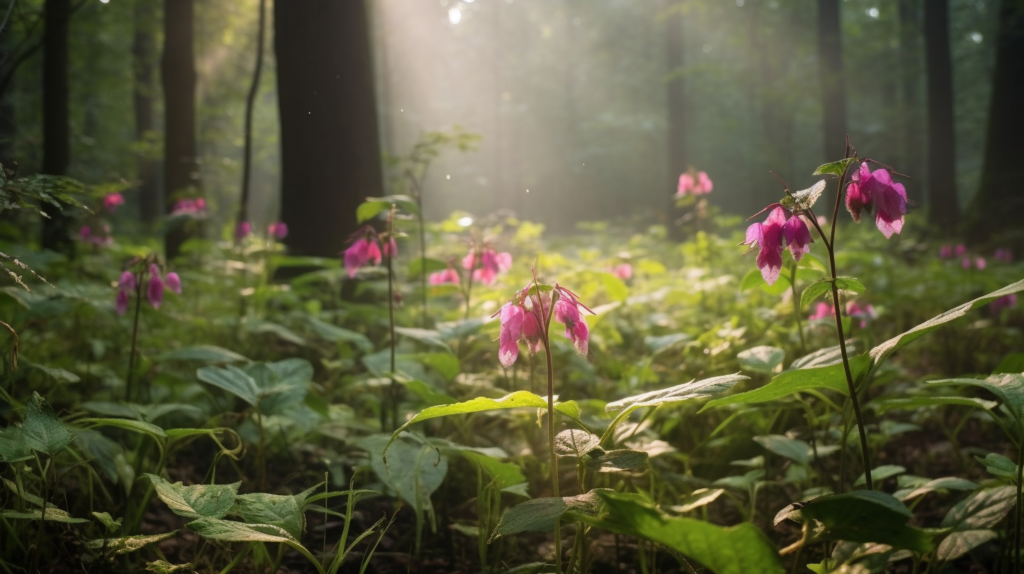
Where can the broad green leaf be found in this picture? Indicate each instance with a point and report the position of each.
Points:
(165, 567)
(127, 544)
(959, 543)
(446, 365)
(233, 380)
(426, 336)
(503, 474)
(878, 474)
(753, 279)
(52, 513)
(763, 359)
(983, 509)
(999, 465)
(850, 284)
(231, 531)
(697, 499)
(684, 392)
(12, 444)
(26, 496)
(1012, 363)
(575, 442)
(614, 287)
(278, 510)
(108, 521)
(793, 449)
(127, 424)
(616, 460)
(198, 500)
(516, 400)
(43, 431)
(866, 516)
(665, 342)
(836, 168)
(262, 327)
(882, 352)
(334, 334)
(415, 471)
(815, 290)
(947, 483)
(541, 514)
(55, 373)
(741, 549)
(823, 357)
(832, 377)
(374, 206)
(203, 354)
(1009, 388)
(427, 393)
(745, 482)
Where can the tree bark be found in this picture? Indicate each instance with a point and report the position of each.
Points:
(181, 167)
(677, 153)
(143, 51)
(330, 150)
(250, 104)
(833, 83)
(56, 145)
(999, 203)
(910, 38)
(943, 209)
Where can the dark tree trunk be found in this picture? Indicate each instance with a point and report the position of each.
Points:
(833, 83)
(56, 145)
(143, 53)
(943, 210)
(677, 158)
(181, 168)
(250, 104)
(330, 151)
(910, 38)
(999, 203)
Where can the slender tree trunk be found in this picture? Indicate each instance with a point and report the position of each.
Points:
(999, 203)
(250, 102)
(910, 38)
(181, 167)
(330, 150)
(677, 153)
(143, 53)
(56, 144)
(833, 83)
(943, 210)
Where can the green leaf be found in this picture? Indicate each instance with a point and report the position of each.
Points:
(233, 380)
(753, 279)
(616, 460)
(503, 474)
(823, 357)
(541, 514)
(745, 482)
(793, 449)
(815, 290)
(231, 531)
(883, 404)
(26, 496)
(516, 400)
(741, 549)
(698, 499)
(446, 365)
(983, 509)
(53, 514)
(43, 431)
(334, 334)
(1012, 363)
(687, 391)
(1009, 388)
(13, 447)
(427, 393)
(55, 373)
(127, 424)
(959, 543)
(416, 266)
(203, 354)
(999, 465)
(763, 359)
(836, 168)
(866, 516)
(262, 327)
(127, 544)
(108, 521)
(196, 501)
(881, 473)
(614, 287)
(414, 473)
(850, 284)
(575, 442)
(947, 483)
(832, 377)
(278, 510)
(374, 206)
(165, 567)
(883, 351)
(426, 336)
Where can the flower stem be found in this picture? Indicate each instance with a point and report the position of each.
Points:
(135, 338)
(392, 391)
(796, 311)
(545, 318)
(469, 288)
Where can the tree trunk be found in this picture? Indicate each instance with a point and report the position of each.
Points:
(833, 84)
(910, 37)
(143, 51)
(181, 168)
(999, 203)
(56, 145)
(677, 158)
(330, 151)
(250, 104)
(943, 210)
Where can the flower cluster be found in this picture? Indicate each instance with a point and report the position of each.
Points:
(449, 275)
(853, 309)
(195, 206)
(278, 230)
(367, 248)
(112, 200)
(525, 317)
(949, 251)
(782, 228)
(978, 263)
(98, 237)
(154, 289)
(242, 230)
(695, 186)
(876, 190)
(486, 264)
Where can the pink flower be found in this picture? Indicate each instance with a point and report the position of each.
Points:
(364, 249)
(822, 311)
(391, 248)
(84, 233)
(121, 304)
(511, 332)
(567, 312)
(442, 277)
(173, 283)
(1004, 302)
(1003, 255)
(243, 230)
(112, 200)
(623, 271)
(798, 237)
(865, 313)
(965, 263)
(278, 230)
(980, 263)
(704, 184)
(532, 332)
(946, 252)
(858, 192)
(891, 201)
(490, 265)
(960, 249)
(686, 184)
(127, 282)
(768, 236)
(155, 289)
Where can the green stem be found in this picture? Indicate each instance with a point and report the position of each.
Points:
(393, 403)
(796, 311)
(261, 459)
(135, 338)
(238, 558)
(544, 322)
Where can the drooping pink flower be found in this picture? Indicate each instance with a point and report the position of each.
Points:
(1004, 302)
(112, 200)
(242, 230)
(865, 313)
(85, 233)
(798, 237)
(858, 191)
(567, 312)
(173, 282)
(442, 277)
(391, 248)
(623, 271)
(357, 255)
(960, 249)
(278, 230)
(511, 331)
(127, 282)
(769, 237)
(946, 252)
(965, 263)
(189, 206)
(121, 304)
(704, 184)
(980, 263)
(686, 184)
(532, 332)
(490, 265)
(1003, 255)
(155, 289)
(890, 201)
(822, 311)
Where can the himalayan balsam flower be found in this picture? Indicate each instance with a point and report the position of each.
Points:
(769, 237)
(980, 263)
(363, 250)
(124, 286)
(699, 186)
(523, 318)
(442, 277)
(242, 230)
(1003, 255)
(623, 271)
(278, 230)
(173, 283)
(1004, 302)
(155, 289)
(876, 190)
(567, 312)
(511, 332)
(112, 200)
(489, 266)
